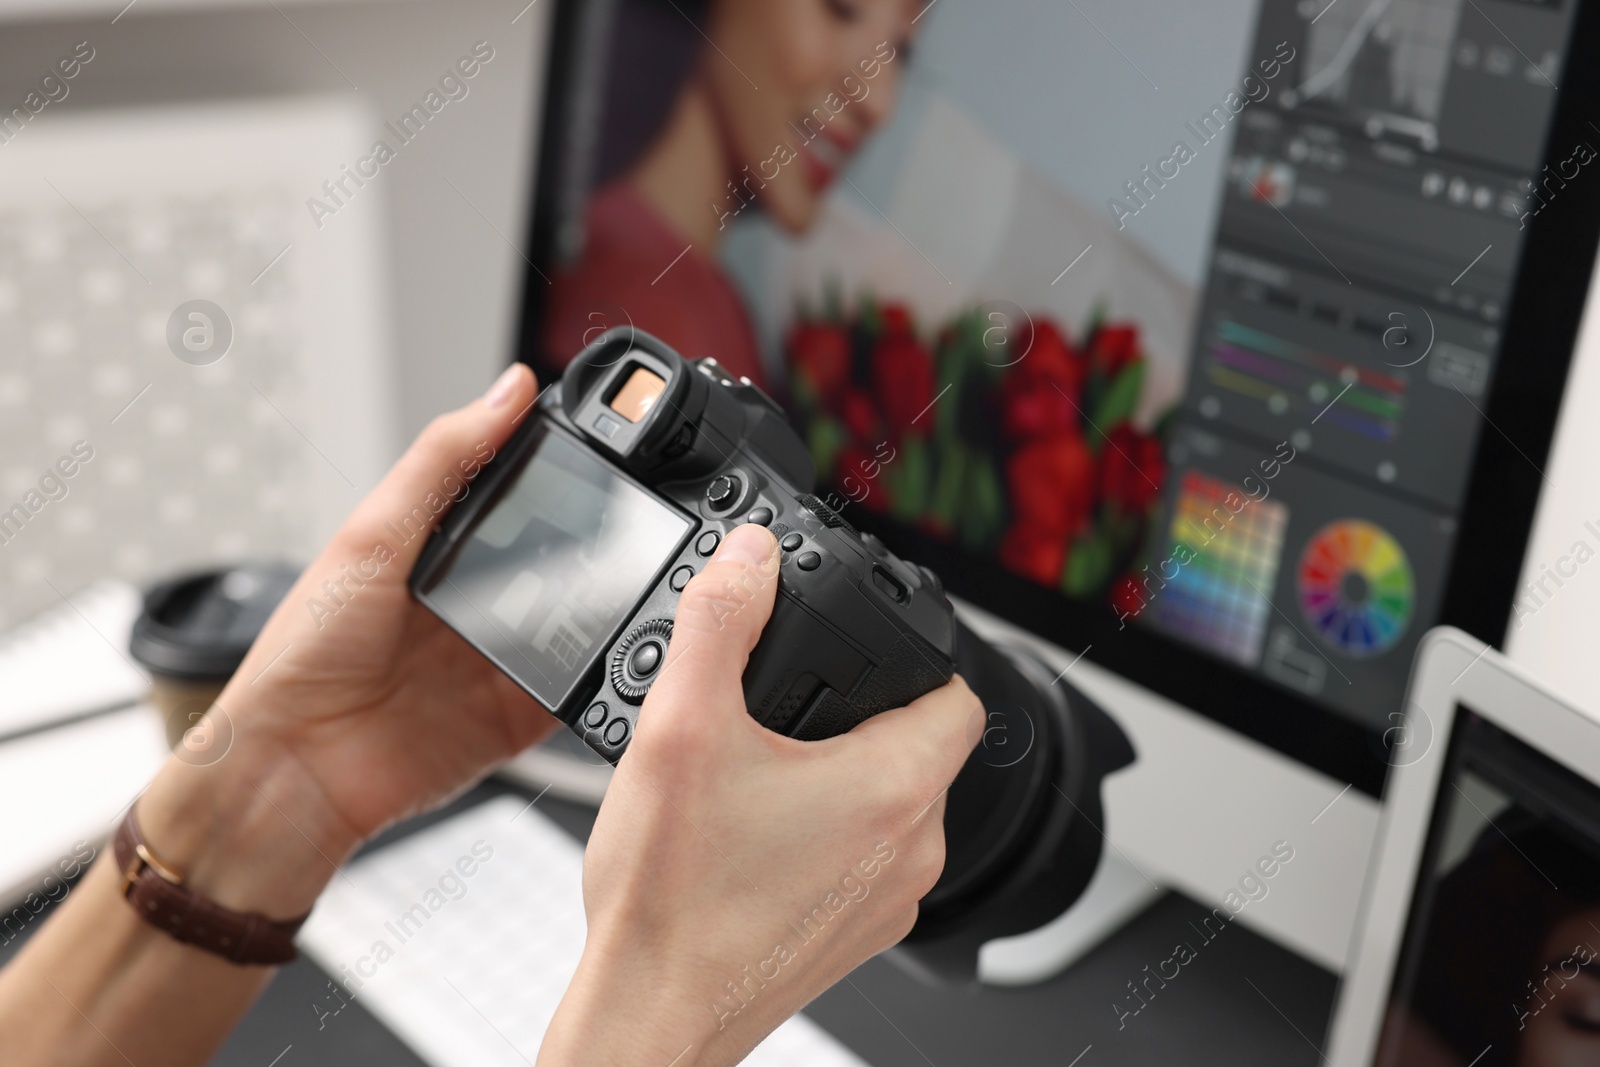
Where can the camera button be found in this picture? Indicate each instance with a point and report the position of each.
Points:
(791, 542)
(596, 715)
(707, 543)
(644, 660)
(723, 492)
(808, 561)
(889, 585)
(760, 516)
(617, 732)
(680, 578)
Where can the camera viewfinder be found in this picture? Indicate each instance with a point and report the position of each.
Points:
(638, 394)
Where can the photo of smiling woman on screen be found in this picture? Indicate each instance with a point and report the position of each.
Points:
(772, 103)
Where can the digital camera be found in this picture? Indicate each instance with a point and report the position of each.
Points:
(564, 568)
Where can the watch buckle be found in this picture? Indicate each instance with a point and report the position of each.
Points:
(137, 863)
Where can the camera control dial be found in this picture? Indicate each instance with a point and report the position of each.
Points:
(723, 492)
(638, 659)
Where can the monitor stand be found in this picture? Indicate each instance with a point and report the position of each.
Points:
(1115, 894)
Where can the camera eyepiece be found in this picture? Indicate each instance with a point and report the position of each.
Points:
(633, 403)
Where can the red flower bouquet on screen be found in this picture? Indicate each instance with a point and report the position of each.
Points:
(1011, 439)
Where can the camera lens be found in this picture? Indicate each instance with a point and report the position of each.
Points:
(1023, 821)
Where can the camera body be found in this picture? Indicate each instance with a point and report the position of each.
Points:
(565, 565)
(854, 630)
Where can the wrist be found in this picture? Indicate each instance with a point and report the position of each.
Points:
(663, 1025)
(249, 830)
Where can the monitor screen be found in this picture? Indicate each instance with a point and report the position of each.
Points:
(1500, 960)
(1172, 339)
(556, 564)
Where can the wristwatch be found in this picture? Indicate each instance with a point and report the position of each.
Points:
(158, 894)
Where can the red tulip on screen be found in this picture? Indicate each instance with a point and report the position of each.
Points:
(1132, 470)
(896, 320)
(902, 378)
(858, 474)
(1052, 484)
(1127, 596)
(1114, 347)
(821, 352)
(861, 416)
(1030, 410)
(1040, 393)
(1037, 556)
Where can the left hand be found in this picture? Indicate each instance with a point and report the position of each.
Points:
(356, 706)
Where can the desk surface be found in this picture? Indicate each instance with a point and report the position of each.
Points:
(1216, 1011)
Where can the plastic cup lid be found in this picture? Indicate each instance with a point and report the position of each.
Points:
(200, 626)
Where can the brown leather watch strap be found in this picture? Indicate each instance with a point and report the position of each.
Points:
(158, 894)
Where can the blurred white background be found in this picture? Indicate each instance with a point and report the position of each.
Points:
(189, 146)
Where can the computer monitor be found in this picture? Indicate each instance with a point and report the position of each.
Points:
(1220, 344)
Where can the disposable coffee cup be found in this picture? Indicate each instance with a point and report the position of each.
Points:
(194, 632)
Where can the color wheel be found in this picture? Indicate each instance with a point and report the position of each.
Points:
(1356, 588)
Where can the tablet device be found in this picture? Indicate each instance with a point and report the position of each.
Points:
(1479, 943)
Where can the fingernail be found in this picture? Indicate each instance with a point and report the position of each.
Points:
(977, 726)
(749, 543)
(500, 391)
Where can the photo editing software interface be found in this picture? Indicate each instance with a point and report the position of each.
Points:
(1242, 420)
(1414, 154)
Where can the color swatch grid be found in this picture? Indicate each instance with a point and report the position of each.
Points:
(1219, 598)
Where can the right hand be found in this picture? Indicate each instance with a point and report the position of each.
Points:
(734, 874)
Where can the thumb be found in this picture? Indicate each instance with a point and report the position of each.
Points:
(437, 471)
(720, 617)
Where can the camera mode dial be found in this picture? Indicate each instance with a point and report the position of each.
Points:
(638, 659)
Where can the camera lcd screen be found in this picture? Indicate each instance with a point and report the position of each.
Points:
(556, 564)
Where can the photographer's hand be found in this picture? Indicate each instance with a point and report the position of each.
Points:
(355, 708)
(368, 706)
(734, 874)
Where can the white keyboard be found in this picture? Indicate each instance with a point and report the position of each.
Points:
(473, 966)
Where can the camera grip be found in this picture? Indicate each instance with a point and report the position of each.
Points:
(911, 669)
